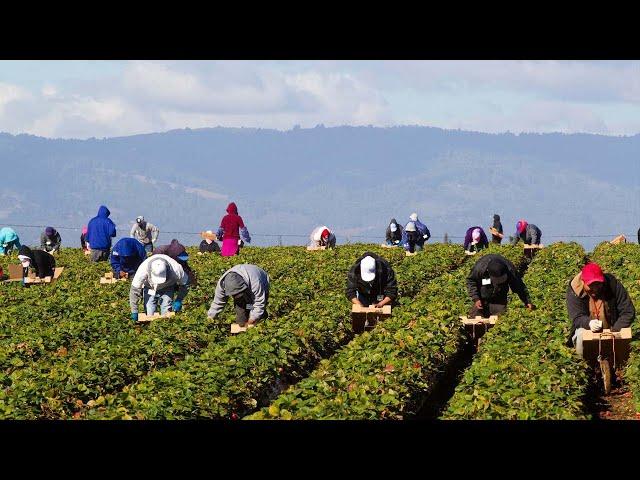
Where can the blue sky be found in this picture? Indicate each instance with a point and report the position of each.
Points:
(81, 99)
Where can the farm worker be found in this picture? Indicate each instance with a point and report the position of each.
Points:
(127, 255)
(371, 281)
(597, 300)
(475, 240)
(99, 233)
(146, 233)
(40, 261)
(639, 235)
(497, 224)
(488, 285)
(8, 240)
(528, 233)
(411, 238)
(178, 252)
(231, 227)
(83, 241)
(208, 244)
(50, 240)
(422, 230)
(159, 277)
(394, 233)
(322, 236)
(248, 285)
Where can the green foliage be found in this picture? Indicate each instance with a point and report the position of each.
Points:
(523, 369)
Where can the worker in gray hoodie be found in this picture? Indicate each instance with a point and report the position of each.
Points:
(249, 287)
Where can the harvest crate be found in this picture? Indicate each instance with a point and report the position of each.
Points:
(108, 278)
(531, 250)
(312, 248)
(144, 318)
(235, 328)
(15, 274)
(409, 254)
(33, 280)
(605, 343)
(365, 318)
(478, 326)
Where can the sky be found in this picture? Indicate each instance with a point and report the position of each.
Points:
(83, 99)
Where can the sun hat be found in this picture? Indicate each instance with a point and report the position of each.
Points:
(368, 268)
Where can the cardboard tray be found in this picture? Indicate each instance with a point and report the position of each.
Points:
(108, 278)
(15, 274)
(33, 280)
(310, 248)
(409, 254)
(479, 320)
(622, 339)
(144, 318)
(528, 247)
(495, 232)
(235, 328)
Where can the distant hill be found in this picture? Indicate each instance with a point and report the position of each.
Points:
(353, 179)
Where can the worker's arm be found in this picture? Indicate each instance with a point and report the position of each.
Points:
(535, 236)
(391, 288)
(472, 285)
(135, 293)
(112, 228)
(115, 263)
(427, 233)
(351, 289)
(244, 233)
(518, 286)
(259, 301)
(218, 303)
(577, 309)
(626, 310)
(155, 231)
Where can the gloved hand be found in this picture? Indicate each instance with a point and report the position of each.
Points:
(134, 317)
(177, 305)
(426, 237)
(595, 325)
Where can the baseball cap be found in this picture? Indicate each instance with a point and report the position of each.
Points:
(592, 272)
(158, 271)
(139, 219)
(368, 268)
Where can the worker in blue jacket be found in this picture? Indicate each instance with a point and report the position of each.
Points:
(127, 255)
(100, 231)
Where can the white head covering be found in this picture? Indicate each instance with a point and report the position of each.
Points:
(393, 227)
(411, 227)
(475, 235)
(317, 233)
(413, 217)
(368, 268)
(158, 272)
(24, 260)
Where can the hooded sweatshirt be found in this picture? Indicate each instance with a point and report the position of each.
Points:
(614, 306)
(491, 293)
(384, 284)
(394, 237)
(482, 243)
(8, 235)
(42, 262)
(173, 250)
(176, 276)
(316, 238)
(127, 255)
(49, 243)
(257, 281)
(232, 225)
(100, 230)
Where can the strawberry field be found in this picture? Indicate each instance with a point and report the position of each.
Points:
(69, 350)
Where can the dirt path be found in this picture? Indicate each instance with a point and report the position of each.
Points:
(618, 405)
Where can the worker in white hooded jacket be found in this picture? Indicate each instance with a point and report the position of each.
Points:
(322, 237)
(161, 278)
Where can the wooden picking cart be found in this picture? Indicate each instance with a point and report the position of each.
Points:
(476, 327)
(606, 350)
(365, 318)
(531, 250)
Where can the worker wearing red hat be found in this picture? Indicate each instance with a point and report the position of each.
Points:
(322, 237)
(597, 300)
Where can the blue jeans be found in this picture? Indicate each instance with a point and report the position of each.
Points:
(166, 300)
(148, 247)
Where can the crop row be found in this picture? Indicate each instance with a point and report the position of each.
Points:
(390, 371)
(233, 379)
(58, 385)
(623, 261)
(524, 370)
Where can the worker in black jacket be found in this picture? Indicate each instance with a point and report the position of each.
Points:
(371, 281)
(597, 300)
(488, 285)
(42, 262)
